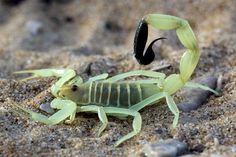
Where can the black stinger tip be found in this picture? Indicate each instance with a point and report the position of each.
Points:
(149, 54)
(140, 40)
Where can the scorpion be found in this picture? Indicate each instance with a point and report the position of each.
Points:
(116, 96)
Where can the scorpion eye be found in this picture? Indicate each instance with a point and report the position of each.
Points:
(74, 88)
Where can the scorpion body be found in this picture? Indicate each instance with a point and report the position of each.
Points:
(116, 97)
(121, 94)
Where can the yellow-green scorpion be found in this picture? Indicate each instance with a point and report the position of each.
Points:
(115, 96)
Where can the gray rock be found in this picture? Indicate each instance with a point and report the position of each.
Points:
(189, 155)
(160, 150)
(194, 97)
(181, 146)
(216, 155)
(34, 27)
(46, 107)
(167, 148)
(233, 148)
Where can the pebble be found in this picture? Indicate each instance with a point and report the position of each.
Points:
(46, 107)
(166, 148)
(188, 119)
(194, 97)
(44, 144)
(233, 148)
(219, 83)
(216, 142)
(216, 155)
(34, 27)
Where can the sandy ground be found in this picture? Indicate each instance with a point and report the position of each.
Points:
(93, 37)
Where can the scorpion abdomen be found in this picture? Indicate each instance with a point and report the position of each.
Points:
(123, 94)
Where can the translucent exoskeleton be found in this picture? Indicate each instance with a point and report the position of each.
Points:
(115, 96)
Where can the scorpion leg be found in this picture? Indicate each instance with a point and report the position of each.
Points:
(65, 74)
(98, 77)
(198, 85)
(153, 99)
(102, 111)
(148, 101)
(173, 108)
(45, 72)
(137, 122)
(136, 73)
(101, 115)
(103, 118)
(149, 81)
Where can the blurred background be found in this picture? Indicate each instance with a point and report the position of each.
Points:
(63, 29)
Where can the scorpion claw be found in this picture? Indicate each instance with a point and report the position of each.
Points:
(45, 72)
(21, 111)
(33, 72)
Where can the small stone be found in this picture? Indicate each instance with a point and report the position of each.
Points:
(181, 146)
(208, 137)
(188, 119)
(167, 148)
(34, 27)
(233, 148)
(216, 155)
(195, 97)
(46, 107)
(216, 142)
(43, 144)
(160, 150)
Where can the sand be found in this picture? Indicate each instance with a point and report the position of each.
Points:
(94, 37)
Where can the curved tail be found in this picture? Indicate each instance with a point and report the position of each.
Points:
(184, 32)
